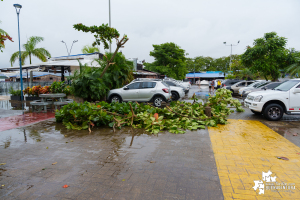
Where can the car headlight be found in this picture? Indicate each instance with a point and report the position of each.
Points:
(258, 98)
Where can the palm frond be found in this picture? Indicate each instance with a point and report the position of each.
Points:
(39, 55)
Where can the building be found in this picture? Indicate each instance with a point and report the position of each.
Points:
(208, 75)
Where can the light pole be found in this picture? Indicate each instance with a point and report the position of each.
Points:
(74, 41)
(109, 24)
(231, 51)
(18, 8)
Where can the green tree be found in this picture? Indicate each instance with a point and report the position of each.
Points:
(268, 55)
(31, 50)
(222, 64)
(89, 49)
(87, 83)
(3, 36)
(104, 34)
(199, 63)
(294, 63)
(172, 58)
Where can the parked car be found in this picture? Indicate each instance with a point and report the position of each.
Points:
(177, 92)
(235, 87)
(251, 86)
(274, 103)
(154, 91)
(229, 82)
(204, 82)
(266, 86)
(170, 82)
(186, 85)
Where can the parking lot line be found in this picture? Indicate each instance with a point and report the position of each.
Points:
(246, 151)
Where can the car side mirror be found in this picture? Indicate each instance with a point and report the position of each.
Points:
(125, 88)
(296, 90)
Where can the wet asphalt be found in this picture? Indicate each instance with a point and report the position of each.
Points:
(39, 159)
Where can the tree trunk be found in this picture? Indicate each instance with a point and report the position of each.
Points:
(30, 58)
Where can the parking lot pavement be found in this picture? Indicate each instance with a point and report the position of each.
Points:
(38, 160)
(247, 151)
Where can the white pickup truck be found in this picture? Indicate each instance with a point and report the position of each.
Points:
(285, 98)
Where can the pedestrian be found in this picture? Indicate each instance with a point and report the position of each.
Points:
(215, 84)
(209, 85)
(199, 83)
(219, 84)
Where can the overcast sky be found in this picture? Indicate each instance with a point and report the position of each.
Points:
(198, 26)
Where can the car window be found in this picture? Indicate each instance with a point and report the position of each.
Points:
(148, 85)
(170, 83)
(241, 84)
(134, 86)
(298, 86)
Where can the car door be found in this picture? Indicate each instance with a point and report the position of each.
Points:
(294, 100)
(147, 90)
(131, 92)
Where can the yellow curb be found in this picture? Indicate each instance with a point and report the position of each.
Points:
(243, 149)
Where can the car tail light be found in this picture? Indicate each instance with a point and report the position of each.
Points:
(166, 90)
(224, 85)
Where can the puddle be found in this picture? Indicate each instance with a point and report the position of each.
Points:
(14, 105)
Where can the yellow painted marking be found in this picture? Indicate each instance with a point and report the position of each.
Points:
(243, 149)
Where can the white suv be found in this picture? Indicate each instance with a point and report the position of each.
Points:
(152, 90)
(285, 98)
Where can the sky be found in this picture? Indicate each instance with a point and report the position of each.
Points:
(198, 26)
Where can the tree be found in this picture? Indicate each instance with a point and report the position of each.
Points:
(104, 34)
(3, 36)
(87, 83)
(89, 49)
(172, 58)
(294, 63)
(222, 64)
(268, 55)
(31, 50)
(199, 63)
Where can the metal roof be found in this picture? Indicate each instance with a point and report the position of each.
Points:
(208, 74)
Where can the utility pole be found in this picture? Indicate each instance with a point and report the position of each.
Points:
(109, 24)
(231, 51)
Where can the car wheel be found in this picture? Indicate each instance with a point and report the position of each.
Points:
(255, 112)
(175, 96)
(115, 99)
(157, 101)
(232, 92)
(273, 112)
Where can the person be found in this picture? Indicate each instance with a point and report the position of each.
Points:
(216, 84)
(213, 85)
(209, 85)
(199, 83)
(219, 84)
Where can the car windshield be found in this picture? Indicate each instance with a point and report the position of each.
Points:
(286, 86)
(165, 84)
(263, 84)
(252, 84)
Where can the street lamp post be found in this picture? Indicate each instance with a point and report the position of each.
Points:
(109, 24)
(18, 8)
(74, 41)
(231, 51)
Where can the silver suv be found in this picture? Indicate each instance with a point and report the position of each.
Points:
(152, 90)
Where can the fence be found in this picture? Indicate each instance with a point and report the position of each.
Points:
(5, 86)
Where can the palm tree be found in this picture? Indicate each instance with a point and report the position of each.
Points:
(90, 49)
(294, 69)
(31, 50)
